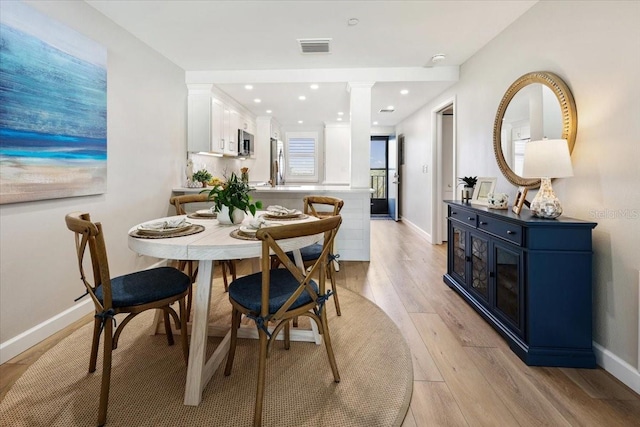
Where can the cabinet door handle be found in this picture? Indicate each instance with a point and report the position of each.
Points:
(511, 232)
(454, 213)
(470, 218)
(483, 223)
(467, 258)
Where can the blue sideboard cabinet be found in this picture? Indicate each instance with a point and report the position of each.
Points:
(530, 278)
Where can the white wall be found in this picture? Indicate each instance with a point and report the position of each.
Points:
(337, 155)
(146, 119)
(416, 196)
(593, 46)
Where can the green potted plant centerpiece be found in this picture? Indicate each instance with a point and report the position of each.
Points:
(232, 200)
(469, 183)
(202, 176)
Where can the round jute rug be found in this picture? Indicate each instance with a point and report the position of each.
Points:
(148, 379)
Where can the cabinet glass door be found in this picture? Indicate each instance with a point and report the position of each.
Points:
(508, 284)
(459, 238)
(480, 266)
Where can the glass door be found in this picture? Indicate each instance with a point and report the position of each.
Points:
(509, 298)
(479, 266)
(378, 175)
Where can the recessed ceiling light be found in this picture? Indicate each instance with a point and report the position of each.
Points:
(302, 97)
(390, 107)
(375, 123)
(404, 91)
(314, 86)
(438, 57)
(248, 87)
(269, 111)
(300, 122)
(340, 113)
(339, 119)
(353, 22)
(257, 100)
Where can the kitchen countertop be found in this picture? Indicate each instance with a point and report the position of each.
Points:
(290, 189)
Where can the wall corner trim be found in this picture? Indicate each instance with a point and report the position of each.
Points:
(617, 367)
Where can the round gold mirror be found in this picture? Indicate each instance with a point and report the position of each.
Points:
(538, 105)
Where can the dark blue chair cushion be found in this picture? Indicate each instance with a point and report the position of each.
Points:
(247, 290)
(309, 253)
(146, 286)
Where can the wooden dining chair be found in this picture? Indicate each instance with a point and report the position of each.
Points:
(133, 293)
(320, 207)
(191, 266)
(282, 294)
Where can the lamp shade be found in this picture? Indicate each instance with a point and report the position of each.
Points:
(548, 158)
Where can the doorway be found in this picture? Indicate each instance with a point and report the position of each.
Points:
(443, 184)
(379, 178)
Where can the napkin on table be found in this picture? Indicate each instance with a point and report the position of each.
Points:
(277, 209)
(163, 225)
(258, 223)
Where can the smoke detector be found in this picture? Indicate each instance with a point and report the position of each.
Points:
(310, 46)
(438, 58)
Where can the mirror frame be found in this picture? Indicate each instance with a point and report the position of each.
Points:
(569, 120)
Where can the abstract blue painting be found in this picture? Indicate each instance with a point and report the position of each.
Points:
(53, 108)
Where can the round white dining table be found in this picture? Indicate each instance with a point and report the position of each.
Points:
(214, 243)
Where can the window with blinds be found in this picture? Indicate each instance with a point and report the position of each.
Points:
(302, 156)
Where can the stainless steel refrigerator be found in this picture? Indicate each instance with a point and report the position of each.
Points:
(277, 162)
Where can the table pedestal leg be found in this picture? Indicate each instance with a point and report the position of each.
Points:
(198, 373)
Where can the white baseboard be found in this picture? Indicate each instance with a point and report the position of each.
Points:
(617, 367)
(24, 341)
(418, 229)
(16, 345)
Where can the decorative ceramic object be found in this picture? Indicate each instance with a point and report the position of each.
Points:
(497, 200)
(236, 217)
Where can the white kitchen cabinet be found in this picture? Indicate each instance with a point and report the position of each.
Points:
(217, 126)
(202, 115)
(231, 146)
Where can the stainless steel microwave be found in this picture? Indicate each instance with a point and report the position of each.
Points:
(245, 143)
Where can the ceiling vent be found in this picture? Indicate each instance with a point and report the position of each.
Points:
(314, 45)
(387, 110)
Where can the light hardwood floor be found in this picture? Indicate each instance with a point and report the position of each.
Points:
(464, 372)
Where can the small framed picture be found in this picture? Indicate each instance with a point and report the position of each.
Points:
(521, 196)
(483, 187)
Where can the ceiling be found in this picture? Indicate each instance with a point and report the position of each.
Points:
(392, 43)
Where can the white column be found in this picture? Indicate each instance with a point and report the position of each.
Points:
(360, 133)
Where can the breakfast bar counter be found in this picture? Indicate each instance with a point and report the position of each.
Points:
(352, 241)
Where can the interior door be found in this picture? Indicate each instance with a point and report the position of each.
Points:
(394, 178)
(447, 174)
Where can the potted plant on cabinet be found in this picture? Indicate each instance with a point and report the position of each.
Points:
(232, 200)
(469, 183)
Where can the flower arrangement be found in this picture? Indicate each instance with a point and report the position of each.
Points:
(202, 176)
(234, 194)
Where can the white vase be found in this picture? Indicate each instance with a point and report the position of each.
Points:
(223, 216)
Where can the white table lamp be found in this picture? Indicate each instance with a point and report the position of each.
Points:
(547, 159)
